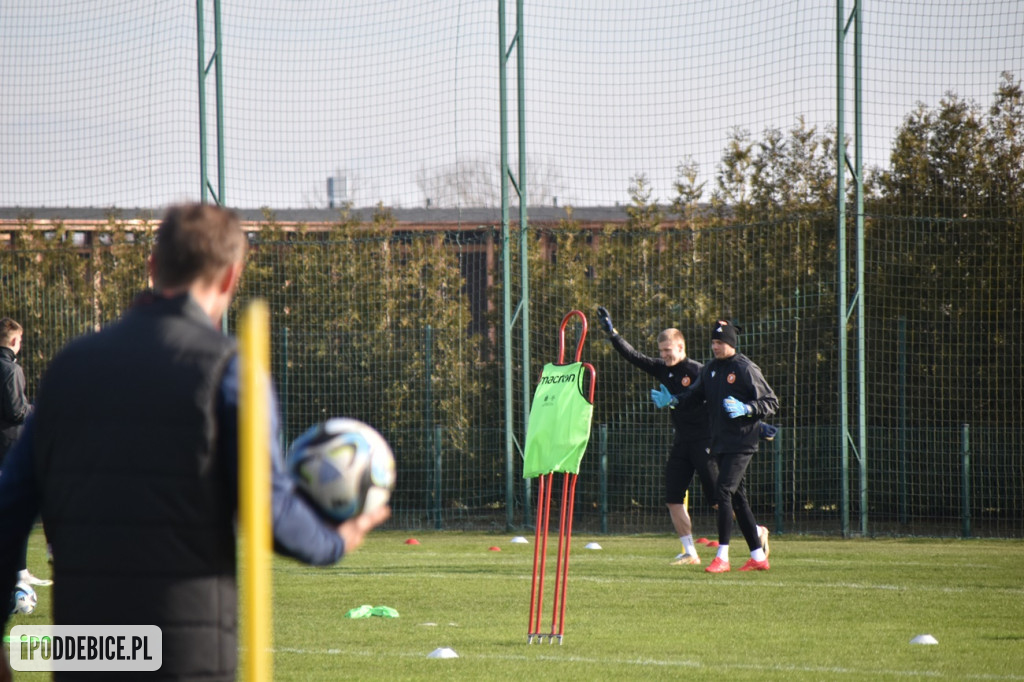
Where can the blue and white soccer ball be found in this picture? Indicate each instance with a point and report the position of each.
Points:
(344, 466)
(23, 601)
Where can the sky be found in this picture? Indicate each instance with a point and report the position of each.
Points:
(401, 99)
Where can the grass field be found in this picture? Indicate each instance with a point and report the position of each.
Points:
(829, 609)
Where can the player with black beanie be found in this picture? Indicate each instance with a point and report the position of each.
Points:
(738, 398)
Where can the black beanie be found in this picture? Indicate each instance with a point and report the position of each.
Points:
(725, 331)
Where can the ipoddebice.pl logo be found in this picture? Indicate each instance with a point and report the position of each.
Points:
(97, 648)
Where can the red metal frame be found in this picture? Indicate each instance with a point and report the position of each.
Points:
(545, 485)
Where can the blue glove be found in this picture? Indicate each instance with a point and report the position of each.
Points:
(735, 408)
(768, 432)
(605, 320)
(663, 398)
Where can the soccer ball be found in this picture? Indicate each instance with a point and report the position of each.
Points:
(23, 601)
(344, 466)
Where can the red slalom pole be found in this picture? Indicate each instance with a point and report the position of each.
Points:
(540, 551)
(549, 484)
(568, 543)
(531, 630)
(574, 443)
(559, 572)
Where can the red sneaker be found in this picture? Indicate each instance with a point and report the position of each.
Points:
(753, 565)
(718, 566)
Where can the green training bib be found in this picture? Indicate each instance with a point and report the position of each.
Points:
(559, 428)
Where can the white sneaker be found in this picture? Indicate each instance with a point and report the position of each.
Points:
(26, 577)
(686, 560)
(762, 534)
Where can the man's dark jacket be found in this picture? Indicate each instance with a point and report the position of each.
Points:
(14, 406)
(135, 496)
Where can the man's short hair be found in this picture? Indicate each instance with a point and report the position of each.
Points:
(671, 334)
(196, 241)
(8, 330)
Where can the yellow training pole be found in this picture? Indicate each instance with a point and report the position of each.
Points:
(254, 492)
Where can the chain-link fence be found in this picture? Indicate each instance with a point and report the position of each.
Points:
(402, 328)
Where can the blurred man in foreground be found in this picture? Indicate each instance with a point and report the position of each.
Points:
(131, 457)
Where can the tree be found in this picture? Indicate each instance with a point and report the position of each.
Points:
(476, 182)
(732, 182)
(472, 182)
(688, 191)
(946, 234)
(1005, 142)
(643, 213)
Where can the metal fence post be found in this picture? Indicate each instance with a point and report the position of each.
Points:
(965, 467)
(901, 418)
(777, 456)
(602, 440)
(284, 391)
(437, 477)
(431, 433)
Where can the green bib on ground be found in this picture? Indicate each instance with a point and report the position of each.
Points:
(560, 418)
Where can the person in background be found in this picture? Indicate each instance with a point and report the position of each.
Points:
(14, 410)
(738, 398)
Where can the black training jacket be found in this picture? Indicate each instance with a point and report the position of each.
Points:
(740, 378)
(14, 406)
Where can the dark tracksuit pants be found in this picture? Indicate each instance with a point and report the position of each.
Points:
(732, 497)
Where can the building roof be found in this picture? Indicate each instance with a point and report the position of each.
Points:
(12, 217)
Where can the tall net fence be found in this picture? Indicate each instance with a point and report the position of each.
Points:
(705, 134)
(400, 106)
(401, 329)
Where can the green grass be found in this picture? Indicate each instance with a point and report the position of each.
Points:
(829, 609)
